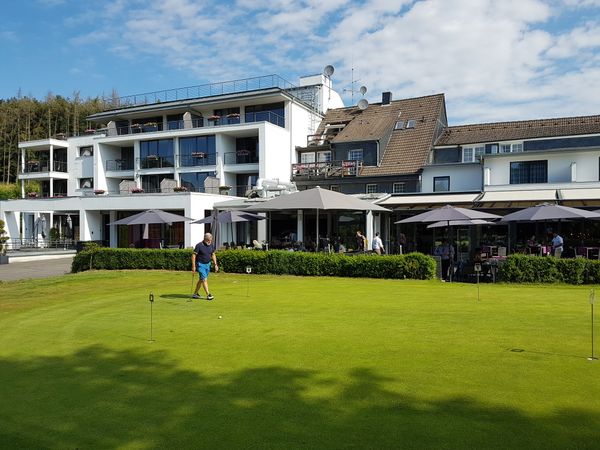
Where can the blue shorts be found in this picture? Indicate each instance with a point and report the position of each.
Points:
(203, 270)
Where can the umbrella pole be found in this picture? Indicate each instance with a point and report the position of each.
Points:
(317, 244)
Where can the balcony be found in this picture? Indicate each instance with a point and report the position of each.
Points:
(156, 162)
(202, 122)
(241, 157)
(195, 159)
(329, 169)
(34, 166)
(119, 164)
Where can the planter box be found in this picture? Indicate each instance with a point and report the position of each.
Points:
(3, 259)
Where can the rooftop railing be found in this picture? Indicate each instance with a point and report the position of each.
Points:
(199, 91)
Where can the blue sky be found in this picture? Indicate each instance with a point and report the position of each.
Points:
(495, 60)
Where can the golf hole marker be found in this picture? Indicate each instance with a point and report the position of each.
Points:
(248, 271)
(592, 300)
(151, 299)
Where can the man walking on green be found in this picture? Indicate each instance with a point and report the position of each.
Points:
(204, 252)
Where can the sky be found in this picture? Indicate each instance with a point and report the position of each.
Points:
(495, 60)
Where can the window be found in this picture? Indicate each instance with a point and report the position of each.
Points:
(335, 187)
(86, 183)
(324, 156)
(524, 172)
(157, 154)
(272, 112)
(355, 155)
(398, 188)
(371, 188)
(511, 148)
(473, 153)
(410, 123)
(86, 151)
(197, 151)
(441, 184)
(228, 115)
(307, 157)
(399, 125)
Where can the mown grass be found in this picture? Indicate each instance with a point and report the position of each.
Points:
(294, 363)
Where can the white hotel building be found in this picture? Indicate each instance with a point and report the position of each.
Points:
(180, 150)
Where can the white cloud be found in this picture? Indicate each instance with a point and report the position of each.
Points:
(495, 60)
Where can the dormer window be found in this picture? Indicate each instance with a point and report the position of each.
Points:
(472, 153)
(514, 147)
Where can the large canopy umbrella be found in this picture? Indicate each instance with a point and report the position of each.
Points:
(318, 199)
(549, 211)
(229, 217)
(151, 216)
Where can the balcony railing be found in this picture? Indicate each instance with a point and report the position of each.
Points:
(330, 169)
(156, 162)
(119, 164)
(241, 157)
(197, 159)
(44, 166)
(211, 121)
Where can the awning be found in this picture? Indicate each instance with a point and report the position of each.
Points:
(579, 194)
(425, 200)
(517, 197)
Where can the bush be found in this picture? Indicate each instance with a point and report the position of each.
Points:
(8, 191)
(537, 269)
(279, 262)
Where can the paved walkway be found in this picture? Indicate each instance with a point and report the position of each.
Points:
(37, 267)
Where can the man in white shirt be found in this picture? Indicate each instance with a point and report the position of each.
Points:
(557, 244)
(377, 244)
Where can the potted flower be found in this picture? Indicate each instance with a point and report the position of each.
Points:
(198, 154)
(233, 115)
(137, 190)
(99, 191)
(90, 131)
(180, 189)
(152, 157)
(224, 190)
(32, 194)
(243, 152)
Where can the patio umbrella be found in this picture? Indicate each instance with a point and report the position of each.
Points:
(549, 211)
(465, 222)
(229, 217)
(318, 199)
(448, 214)
(151, 216)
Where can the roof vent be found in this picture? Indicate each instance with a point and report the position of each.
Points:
(386, 98)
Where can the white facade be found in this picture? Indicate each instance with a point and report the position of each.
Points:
(205, 144)
(463, 177)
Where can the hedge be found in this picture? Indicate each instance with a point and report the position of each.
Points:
(539, 269)
(412, 265)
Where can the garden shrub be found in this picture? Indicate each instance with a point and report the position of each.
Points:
(279, 262)
(537, 269)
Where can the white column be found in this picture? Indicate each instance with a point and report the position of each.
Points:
(369, 228)
(300, 226)
(487, 176)
(573, 172)
(50, 169)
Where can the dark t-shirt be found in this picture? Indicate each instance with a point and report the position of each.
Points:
(203, 252)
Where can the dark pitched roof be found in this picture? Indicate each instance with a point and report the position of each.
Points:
(404, 151)
(525, 129)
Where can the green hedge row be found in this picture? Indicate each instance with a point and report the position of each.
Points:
(413, 265)
(536, 269)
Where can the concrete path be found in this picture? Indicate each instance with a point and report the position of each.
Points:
(35, 267)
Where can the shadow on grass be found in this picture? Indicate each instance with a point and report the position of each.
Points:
(101, 398)
(187, 296)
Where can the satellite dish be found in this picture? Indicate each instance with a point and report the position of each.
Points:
(328, 70)
(363, 103)
(363, 90)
